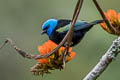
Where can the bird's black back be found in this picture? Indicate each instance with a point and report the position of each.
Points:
(78, 34)
(76, 38)
(62, 23)
(57, 37)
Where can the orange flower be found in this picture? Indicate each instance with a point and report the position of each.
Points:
(49, 46)
(55, 61)
(114, 20)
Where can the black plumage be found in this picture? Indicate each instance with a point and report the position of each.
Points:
(80, 28)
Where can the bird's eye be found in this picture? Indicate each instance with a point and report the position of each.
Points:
(46, 27)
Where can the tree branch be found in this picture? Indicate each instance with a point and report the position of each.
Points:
(103, 16)
(68, 36)
(66, 40)
(104, 61)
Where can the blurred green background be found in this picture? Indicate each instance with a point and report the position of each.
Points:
(21, 21)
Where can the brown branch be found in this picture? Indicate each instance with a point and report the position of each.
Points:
(104, 62)
(68, 36)
(20, 51)
(6, 41)
(103, 16)
(109, 55)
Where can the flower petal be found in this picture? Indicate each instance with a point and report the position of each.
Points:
(70, 49)
(56, 58)
(112, 14)
(42, 50)
(55, 61)
(107, 16)
(43, 61)
(119, 18)
(103, 25)
(72, 55)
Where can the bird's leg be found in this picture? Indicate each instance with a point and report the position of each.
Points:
(67, 48)
(103, 16)
(20, 51)
(70, 44)
(64, 54)
(64, 58)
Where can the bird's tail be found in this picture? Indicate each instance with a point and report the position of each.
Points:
(94, 23)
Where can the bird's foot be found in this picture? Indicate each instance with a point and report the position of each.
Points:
(63, 59)
(67, 45)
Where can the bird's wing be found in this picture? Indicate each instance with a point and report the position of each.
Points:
(78, 26)
(63, 25)
(64, 29)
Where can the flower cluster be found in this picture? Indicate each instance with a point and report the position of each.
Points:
(55, 61)
(114, 20)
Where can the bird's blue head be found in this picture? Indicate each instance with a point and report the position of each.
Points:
(49, 26)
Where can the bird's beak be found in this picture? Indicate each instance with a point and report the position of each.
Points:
(44, 31)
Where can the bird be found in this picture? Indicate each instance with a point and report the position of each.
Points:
(57, 29)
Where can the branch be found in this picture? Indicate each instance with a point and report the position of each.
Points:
(20, 51)
(103, 16)
(106, 59)
(68, 36)
(66, 40)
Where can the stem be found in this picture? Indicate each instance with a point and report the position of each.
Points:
(20, 51)
(103, 16)
(68, 36)
(104, 62)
